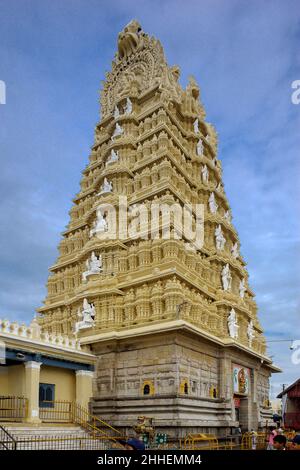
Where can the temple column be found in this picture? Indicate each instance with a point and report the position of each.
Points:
(84, 387)
(32, 382)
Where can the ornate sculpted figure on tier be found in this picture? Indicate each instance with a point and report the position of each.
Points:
(235, 250)
(113, 157)
(242, 288)
(128, 107)
(87, 316)
(200, 148)
(130, 40)
(220, 239)
(250, 333)
(226, 277)
(117, 132)
(106, 186)
(94, 266)
(196, 126)
(233, 326)
(213, 206)
(204, 173)
(116, 112)
(100, 224)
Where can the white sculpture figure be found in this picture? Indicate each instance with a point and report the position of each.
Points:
(100, 224)
(250, 333)
(207, 138)
(114, 157)
(128, 106)
(199, 148)
(242, 288)
(235, 250)
(220, 239)
(118, 131)
(232, 323)
(87, 316)
(227, 216)
(116, 112)
(106, 187)
(94, 266)
(204, 173)
(196, 126)
(226, 277)
(213, 206)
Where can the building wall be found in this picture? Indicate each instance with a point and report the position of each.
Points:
(16, 380)
(64, 380)
(4, 388)
(166, 363)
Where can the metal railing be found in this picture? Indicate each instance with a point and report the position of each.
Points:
(60, 411)
(93, 424)
(13, 408)
(254, 441)
(66, 442)
(7, 441)
(203, 441)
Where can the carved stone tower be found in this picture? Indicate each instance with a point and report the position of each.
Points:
(171, 318)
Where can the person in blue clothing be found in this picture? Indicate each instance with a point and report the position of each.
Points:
(132, 444)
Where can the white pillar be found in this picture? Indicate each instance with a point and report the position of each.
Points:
(84, 387)
(32, 382)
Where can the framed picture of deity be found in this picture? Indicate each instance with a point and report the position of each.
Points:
(241, 379)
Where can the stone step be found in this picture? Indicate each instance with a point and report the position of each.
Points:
(51, 437)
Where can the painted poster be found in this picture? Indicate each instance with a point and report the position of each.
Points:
(241, 379)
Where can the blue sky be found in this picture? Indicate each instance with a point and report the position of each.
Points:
(244, 55)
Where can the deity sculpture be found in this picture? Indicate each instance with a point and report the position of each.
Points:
(213, 206)
(200, 148)
(232, 323)
(235, 250)
(113, 157)
(226, 277)
(242, 288)
(220, 239)
(100, 224)
(204, 173)
(196, 126)
(94, 266)
(87, 316)
(227, 216)
(116, 112)
(128, 106)
(106, 186)
(117, 132)
(250, 333)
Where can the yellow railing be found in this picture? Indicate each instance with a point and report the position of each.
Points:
(93, 424)
(203, 441)
(63, 411)
(254, 441)
(13, 408)
(199, 441)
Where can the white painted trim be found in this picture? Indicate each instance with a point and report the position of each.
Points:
(82, 373)
(32, 365)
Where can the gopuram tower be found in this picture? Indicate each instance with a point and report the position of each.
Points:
(149, 272)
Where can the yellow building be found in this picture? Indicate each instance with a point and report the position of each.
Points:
(41, 375)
